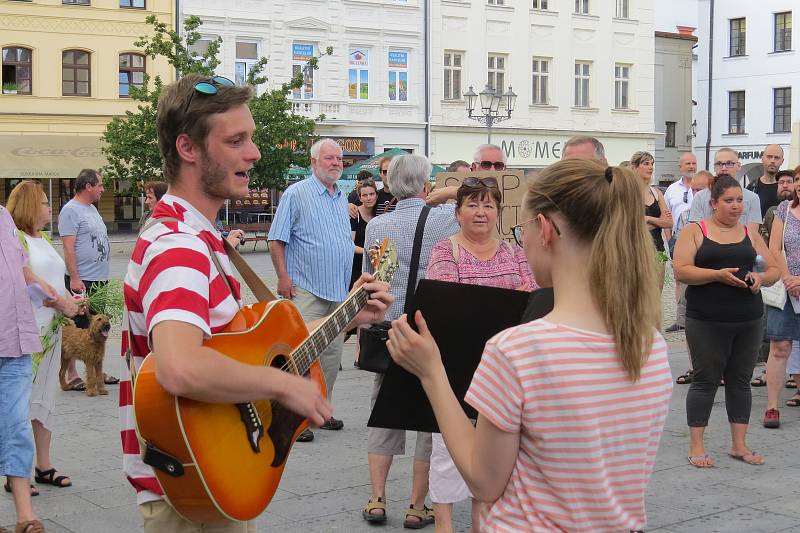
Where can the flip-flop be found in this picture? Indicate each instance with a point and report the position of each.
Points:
(694, 460)
(744, 458)
(108, 379)
(76, 384)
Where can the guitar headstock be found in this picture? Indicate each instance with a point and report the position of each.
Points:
(384, 260)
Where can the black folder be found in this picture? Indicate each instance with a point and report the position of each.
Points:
(461, 318)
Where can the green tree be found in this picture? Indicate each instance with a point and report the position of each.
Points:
(130, 142)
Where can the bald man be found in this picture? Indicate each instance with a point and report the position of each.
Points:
(766, 187)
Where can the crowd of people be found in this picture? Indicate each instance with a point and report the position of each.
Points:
(554, 446)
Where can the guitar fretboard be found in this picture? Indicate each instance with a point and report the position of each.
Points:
(309, 351)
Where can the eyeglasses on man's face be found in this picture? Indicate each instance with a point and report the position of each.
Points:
(786, 181)
(725, 164)
(489, 165)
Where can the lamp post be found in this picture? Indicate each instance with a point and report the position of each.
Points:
(490, 101)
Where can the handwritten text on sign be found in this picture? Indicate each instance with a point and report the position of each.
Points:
(512, 189)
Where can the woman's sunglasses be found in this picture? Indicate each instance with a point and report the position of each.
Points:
(480, 182)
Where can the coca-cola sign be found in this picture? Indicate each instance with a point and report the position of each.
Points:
(80, 152)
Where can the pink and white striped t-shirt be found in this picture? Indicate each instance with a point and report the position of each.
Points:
(170, 277)
(588, 435)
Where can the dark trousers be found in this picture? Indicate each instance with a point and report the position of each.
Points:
(721, 349)
(82, 321)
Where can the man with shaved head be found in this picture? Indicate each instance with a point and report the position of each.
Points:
(766, 187)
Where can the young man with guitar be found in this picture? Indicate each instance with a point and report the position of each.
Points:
(180, 291)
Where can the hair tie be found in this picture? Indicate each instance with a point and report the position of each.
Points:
(609, 174)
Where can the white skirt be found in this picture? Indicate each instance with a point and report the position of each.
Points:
(445, 484)
(46, 385)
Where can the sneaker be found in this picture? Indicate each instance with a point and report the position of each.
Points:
(332, 424)
(674, 327)
(306, 436)
(772, 419)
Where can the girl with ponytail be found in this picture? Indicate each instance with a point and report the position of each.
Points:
(571, 406)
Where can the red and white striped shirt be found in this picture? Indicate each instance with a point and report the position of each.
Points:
(588, 435)
(170, 277)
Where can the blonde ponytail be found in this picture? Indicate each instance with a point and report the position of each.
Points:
(603, 206)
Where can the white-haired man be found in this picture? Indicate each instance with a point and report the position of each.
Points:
(487, 157)
(312, 251)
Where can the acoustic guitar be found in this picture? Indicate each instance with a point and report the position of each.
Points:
(224, 461)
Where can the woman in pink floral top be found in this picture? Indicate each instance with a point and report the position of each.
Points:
(476, 257)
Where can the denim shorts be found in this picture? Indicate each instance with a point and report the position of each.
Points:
(16, 436)
(783, 325)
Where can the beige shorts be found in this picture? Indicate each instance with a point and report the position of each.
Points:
(382, 441)
(159, 517)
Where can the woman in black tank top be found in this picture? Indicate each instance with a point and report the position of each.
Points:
(656, 212)
(716, 258)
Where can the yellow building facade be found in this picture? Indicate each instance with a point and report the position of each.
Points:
(66, 69)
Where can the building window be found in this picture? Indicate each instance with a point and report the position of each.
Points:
(75, 73)
(541, 77)
(582, 77)
(246, 58)
(452, 75)
(398, 76)
(77, 2)
(137, 4)
(199, 48)
(736, 112)
(782, 122)
(301, 54)
(497, 72)
(622, 9)
(783, 31)
(669, 135)
(582, 7)
(131, 72)
(622, 76)
(496, 2)
(17, 69)
(358, 74)
(539, 4)
(738, 37)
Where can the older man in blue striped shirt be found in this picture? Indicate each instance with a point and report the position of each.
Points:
(312, 250)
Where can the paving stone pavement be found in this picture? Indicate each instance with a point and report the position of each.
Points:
(326, 482)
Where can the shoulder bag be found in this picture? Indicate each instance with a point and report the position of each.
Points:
(775, 294)
(373, 356)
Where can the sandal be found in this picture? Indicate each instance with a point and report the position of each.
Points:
(31, 526)
(48, 477)
(794, 401)
(424, 517)
(701, 461)
(377, 505)
(686, 378)
(760, 381)
(108, 379)
(34, 490)
(77, 385)
(791, 383)
(751, 458)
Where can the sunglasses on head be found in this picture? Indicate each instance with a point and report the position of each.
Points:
(209, 86)
(488, 165)
(480, 182)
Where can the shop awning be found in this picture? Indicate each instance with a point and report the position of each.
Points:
(371, 164)
(48, 156)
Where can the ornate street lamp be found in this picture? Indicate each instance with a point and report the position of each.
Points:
(490, 101)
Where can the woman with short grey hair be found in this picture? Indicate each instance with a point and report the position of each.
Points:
(408, 175)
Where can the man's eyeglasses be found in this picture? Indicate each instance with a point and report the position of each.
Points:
(209, 86)
(725, 164)
(480, 182)
(787, 181)
(488, 165)
(518, 232)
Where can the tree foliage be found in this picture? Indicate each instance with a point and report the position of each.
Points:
(130, 142)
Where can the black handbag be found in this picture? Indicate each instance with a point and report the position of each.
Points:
(373, 355)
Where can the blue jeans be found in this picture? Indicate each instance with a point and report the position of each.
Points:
(16, 436)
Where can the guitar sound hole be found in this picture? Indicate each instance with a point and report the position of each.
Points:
(282, 362)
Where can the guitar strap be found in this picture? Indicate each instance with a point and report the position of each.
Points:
(251, 279)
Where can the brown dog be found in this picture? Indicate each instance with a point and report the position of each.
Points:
(88, 345)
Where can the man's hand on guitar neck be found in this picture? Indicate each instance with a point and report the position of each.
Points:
(380, 299)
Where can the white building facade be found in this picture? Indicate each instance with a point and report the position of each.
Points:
(754, 78)
(579, 67)
(371, 90)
